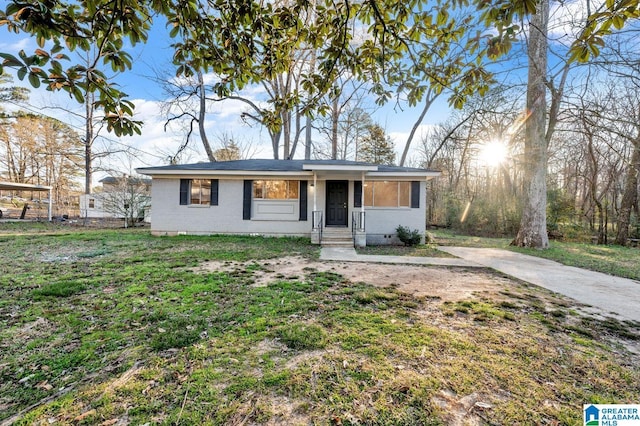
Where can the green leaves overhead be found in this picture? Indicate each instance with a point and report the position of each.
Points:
(89, 26)
(402, 48)
(504, 16)
(392, 44)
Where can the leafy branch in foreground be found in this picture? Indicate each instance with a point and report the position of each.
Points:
(248, 41)
(242, 42)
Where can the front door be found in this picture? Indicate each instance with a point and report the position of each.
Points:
(337, 196)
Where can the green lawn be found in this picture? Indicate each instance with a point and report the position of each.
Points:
(610, 259)
(116, 327)
(425, 250)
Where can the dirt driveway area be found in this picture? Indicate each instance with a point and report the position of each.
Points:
(447, 284)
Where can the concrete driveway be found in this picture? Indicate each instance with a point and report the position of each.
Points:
(607, 293)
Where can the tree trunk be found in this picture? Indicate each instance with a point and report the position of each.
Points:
(335, 116)
(307, 137)
(307, 128)
(275, 143)
(630, 196)
(533, 225)
(88, 142)
(427, 104)
(286, 133)
(201, 117)
(297, 132)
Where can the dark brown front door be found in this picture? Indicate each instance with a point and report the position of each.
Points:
(337, 196)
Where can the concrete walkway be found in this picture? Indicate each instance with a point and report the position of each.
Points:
(609, 294)
(348, 254)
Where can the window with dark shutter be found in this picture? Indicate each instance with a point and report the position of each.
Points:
(415, 195)
(303, 200)
(246, 200)
(357, 193)
(184, 191)
(214, 192)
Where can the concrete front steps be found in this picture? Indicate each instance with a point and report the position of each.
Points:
(336, 237)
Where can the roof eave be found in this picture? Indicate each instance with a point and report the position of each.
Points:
(339, 168)
(412, 174)
(201, 172)
(12, 186)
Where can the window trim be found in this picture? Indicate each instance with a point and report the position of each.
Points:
(200, 186)
(186, 186)
(287, 190)
(398, 194)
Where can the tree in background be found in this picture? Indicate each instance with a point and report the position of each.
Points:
(346, 122)
(479, 191)
(376, 147)
(230, 151)
(10, 93)
(126, 197)
(41, 150)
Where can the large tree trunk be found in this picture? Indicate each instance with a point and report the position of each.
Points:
(630, 196)
(595, 199)
(335, 116)
(286, 133)
(201, 118)
(275, 143)
(533, 226)
(307, 137)
(427, 104)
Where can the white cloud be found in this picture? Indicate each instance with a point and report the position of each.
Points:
(156, 143)
(400, 140)
(17, 44)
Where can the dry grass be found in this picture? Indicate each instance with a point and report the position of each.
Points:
(142, 337)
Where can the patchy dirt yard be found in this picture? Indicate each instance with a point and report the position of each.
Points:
(446, 284)
(450, 298)
(124, 328)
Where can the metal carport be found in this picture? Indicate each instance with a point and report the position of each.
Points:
(12, 186)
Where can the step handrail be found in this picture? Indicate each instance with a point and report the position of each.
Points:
(316, 224)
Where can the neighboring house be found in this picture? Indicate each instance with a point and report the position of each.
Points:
(123, 197)
(311, 198)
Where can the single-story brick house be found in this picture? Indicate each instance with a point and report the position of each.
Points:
(312, 198)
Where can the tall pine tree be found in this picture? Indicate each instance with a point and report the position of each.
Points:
(376, 147)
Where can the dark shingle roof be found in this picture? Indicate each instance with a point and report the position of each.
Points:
(266, 165)
(110, 180)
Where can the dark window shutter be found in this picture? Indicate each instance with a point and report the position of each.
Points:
(415, 195)
(184, 191)
(303, 200)
(246, 200)
(357, 193)
(214, 192)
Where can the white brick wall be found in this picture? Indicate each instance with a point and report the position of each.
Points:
(277, 218)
